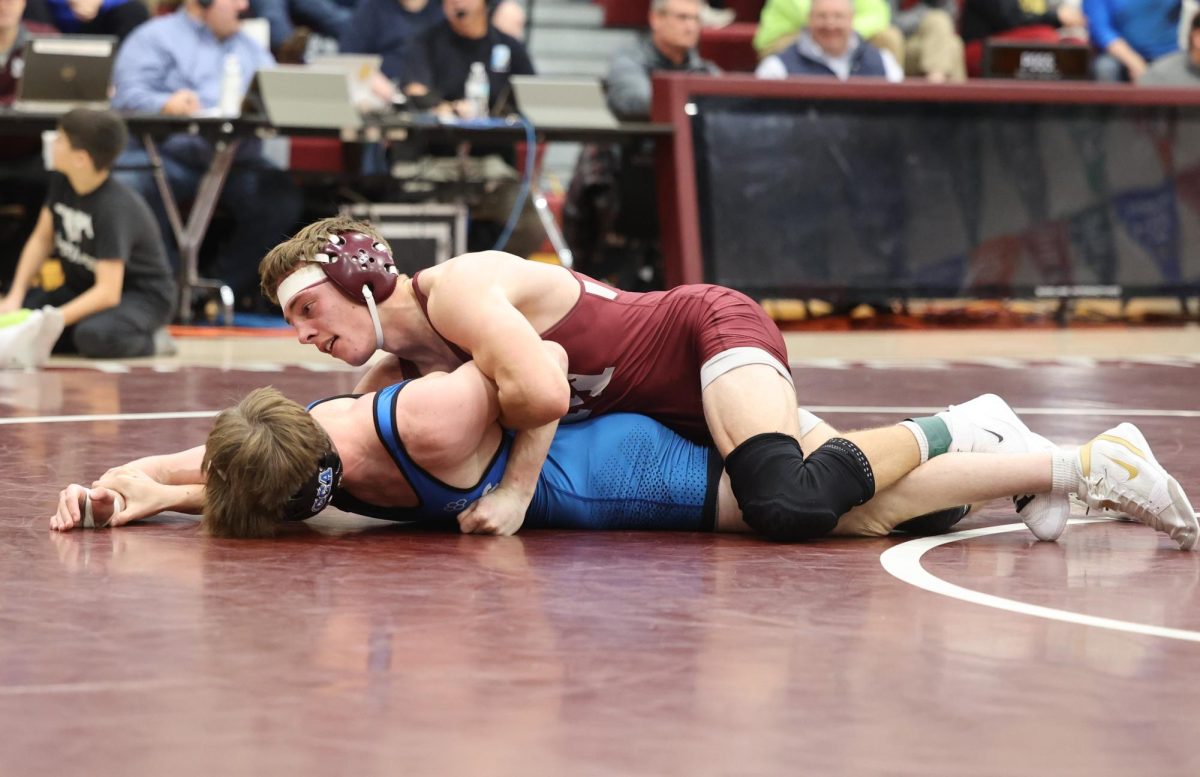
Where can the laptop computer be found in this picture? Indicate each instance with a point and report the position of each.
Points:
(550, 102)
(65, 72)
(303, 97)
(360, 70)
(1038, 61)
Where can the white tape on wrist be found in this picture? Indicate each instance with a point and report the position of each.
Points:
(89, 521)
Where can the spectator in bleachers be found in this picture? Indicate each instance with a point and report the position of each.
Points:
(782, 20)
(671, 45)
(610, 216)
(438, 62)
(389, 27)
(1181, 68)
(1131, 33)
(1013, 20)
(829, 46)
(23, 177)
(174, 65)
(859, 167)
(89, 17)
(932, 47)
(435, 74)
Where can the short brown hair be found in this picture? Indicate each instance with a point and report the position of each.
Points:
(282, 260)
(258, 454)
(101, 134)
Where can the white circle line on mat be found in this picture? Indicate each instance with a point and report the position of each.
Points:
(903, 562)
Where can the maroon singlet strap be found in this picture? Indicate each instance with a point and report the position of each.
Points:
(423, 301)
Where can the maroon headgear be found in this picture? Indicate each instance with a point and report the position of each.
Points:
(353, 260)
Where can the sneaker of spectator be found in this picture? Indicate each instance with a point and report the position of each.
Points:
(164, 343)
(28, 336)
(716, 18)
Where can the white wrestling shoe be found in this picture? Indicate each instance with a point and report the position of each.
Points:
(986, 424)
(1046, 515)
(1119, 472)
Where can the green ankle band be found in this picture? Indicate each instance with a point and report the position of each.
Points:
(936, 432)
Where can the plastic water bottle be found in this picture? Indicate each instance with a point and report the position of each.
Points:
(231, 87)
(477, 90)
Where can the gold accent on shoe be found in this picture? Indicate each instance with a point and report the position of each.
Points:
(1132, 470)
(1136, 451)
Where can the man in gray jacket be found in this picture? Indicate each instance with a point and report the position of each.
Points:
(610, 217)
(674, 33)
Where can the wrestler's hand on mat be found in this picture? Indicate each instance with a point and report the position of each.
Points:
(144, 496)
(498, 512)
(71, 507)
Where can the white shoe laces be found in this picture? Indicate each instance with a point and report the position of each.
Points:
(1105, 493)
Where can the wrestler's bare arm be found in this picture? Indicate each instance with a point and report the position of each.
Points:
(502, 511)
(182, 468)
(148, 486)
(472, 304)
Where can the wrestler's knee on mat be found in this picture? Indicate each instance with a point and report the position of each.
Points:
(789, 499)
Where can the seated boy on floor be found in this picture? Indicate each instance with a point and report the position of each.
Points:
(118, 290)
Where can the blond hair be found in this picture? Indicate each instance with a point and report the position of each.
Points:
(258, 454)
(282, 260)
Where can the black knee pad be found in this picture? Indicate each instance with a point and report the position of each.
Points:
(937, 522)
(791, 499)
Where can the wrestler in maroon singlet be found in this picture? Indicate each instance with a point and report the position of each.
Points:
(642, 352)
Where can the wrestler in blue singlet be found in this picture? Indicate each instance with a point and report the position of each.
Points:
(616, 471)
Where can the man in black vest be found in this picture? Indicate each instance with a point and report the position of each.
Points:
(828, 46)
(860, 165)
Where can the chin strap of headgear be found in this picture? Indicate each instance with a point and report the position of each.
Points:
(370, 300)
